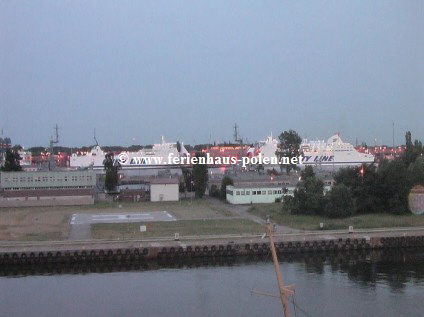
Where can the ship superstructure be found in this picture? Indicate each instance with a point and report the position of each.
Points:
(155, 157)
(93, 158)
(268, 147)
(333, 152)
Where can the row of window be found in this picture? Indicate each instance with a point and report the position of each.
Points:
(255, 192)
(31, 179)
(37, 188)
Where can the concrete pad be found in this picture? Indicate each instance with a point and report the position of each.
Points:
(77, 219)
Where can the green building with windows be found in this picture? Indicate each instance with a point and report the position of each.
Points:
(253, 194)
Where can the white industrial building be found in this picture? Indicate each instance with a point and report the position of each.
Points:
(47, 188)
(253, 194)
(164, 189)
(259, 193)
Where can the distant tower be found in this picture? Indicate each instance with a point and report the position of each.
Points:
(238, 140)
(52, 143)
(393, 134)
(237, 137)
(95, 139)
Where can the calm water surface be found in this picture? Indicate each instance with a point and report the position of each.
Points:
(372, 284)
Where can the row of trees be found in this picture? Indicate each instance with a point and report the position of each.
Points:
(359, 190)
(195, 179)
(221, 192)
(111, 167)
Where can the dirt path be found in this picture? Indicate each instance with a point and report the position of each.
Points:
(242, 211)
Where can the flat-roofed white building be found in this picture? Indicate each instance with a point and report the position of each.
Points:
(164, 189)
(260, 193)
(254, 194)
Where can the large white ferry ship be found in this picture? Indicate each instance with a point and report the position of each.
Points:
(155, 157)
(334, 152)
(268, 147)
(92, 159)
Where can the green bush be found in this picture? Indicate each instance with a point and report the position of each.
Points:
(339, 202)
(227, 180)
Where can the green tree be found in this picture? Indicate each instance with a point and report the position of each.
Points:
(339, 202)
(226, 181)
(412, 150)
(12, 161)
(288, 147)
(200, 177)
(111, 167)
(181, 187)
(364, 185)
(308, 172)
(395, 186)
(188, 179)
(308, 197)
(416, 172)
(214, 191)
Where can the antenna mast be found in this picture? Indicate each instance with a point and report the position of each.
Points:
(393, 135)
(238, 140)
(237, 137)
(52, 143)
(95, 139)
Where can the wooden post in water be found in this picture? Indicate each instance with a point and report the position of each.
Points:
(283, 290)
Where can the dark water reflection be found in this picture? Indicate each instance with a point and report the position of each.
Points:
(373, 283)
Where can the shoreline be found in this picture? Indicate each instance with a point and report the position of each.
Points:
(15, 252)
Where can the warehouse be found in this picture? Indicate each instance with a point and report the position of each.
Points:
(47, 188)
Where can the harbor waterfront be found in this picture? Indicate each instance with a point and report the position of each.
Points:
(386, 282)
(207, 246)
(211, 158)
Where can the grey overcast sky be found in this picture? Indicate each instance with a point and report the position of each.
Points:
(188, 70)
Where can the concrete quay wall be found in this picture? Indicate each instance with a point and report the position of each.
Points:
(196, 247)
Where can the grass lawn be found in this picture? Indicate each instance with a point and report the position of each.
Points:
(312, 222)
(48, 236)
(182, 209)
(52, 223)
(168, 229)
